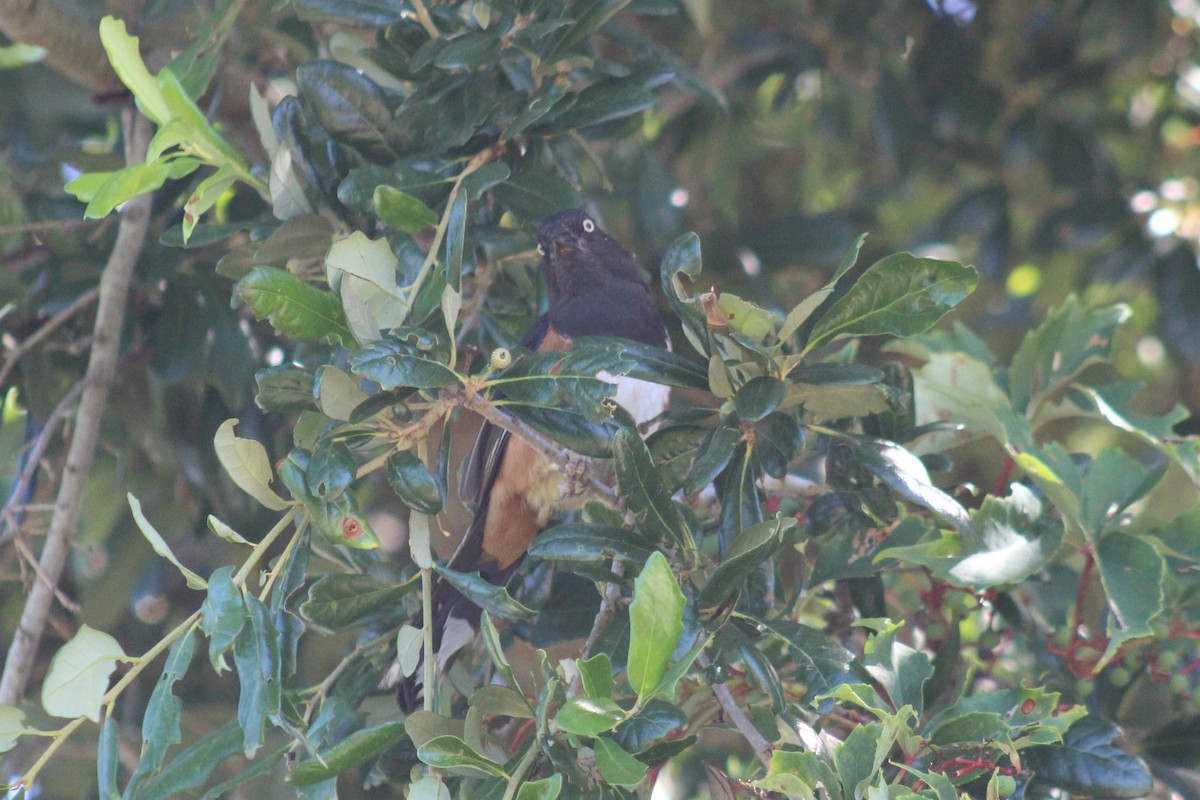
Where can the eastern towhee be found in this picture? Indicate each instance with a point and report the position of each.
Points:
(595, 289)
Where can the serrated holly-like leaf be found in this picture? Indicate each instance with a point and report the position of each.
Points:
(339, 601)
(78, 675)
(901, 295)
(256, 655)
(797, 773)
(1049, 356)
(825, 662)
(412, 481)
(247, 464)
(898, 668)
(294, 307)
(1111, 483)
(586, 716)
(1132, 572)
(1088, 763)
(1005, 544)
(160, 545)
(643, 488)
(616, 766)
(747, 553)
(160, 723)
(582, 541)
(485, 594)
(354, 749)
(656, 623)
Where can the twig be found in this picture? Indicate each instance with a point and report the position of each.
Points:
(426, 20)
(542, 444)
(51, 325)
(8, 516)
(102, 365)
(762, 748)
(610, 598)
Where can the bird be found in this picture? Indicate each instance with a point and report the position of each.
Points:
(595, 289)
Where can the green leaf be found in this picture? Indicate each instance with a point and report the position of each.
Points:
(412, 481)
(495, 648)
(338, 394)
(748, 552)
(78, 675)
(714, 454)
(393, 364)
(656, 623)
(486, 594)
(349, 105)
(402, 211)
(339, 601)
(13, 727)
(456, 238)
(160, 545)
(597, 675)
(496, 700)
(657, 720)
(191, 767)
(755, 323)
(341, 521)
(568, 379)
(222, 616)
(1087, 763)
(899, 669)
(861, 755)
(585, 716)
(451, 752)
(679, 274)
(105, 191)
(802, 311)
(588, 18)
(247, 464)
(545, 789)
(294, 307)
(643, 489)
(601, 102)
(657, 365)
(353, 750)
(1007, 542)
(257, 657)
(303, 237)
(107, 753)
(127, 61)
(907, 476)
(331, 470)
(616, 766)
(1051, 355)
(825, 663)
(18, 55)
(285, 388)
(797, 773)
(758, 397)
(582, 541)
(1132, 572)
(160, 723)
(901, 295)
(205, 196)
(1112, 482)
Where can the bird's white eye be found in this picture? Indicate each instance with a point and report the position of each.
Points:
(589, 226)
(541, 250)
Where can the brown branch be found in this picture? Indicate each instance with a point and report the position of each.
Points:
(11, 511)
(543, 445)
(102, 365)
(762, 748)
(71, 39)
(51, 325)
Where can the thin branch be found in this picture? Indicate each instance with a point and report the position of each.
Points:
(762, 748)
(102, 365)
(9, 516)
(50, 326)
(543, 445)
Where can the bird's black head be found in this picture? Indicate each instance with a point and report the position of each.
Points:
(576, 252)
